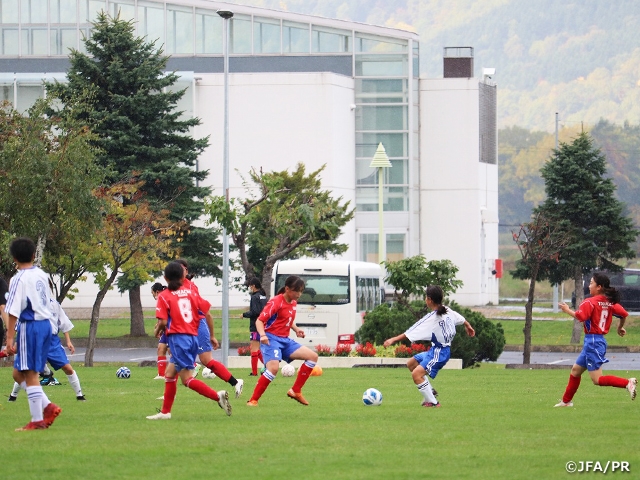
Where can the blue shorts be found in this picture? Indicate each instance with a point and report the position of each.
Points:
(184, 350)
(279, 348)
(163, 338)
(57, 357)
(593, 352)
(433, 359)
(204, 337)
(33, 340)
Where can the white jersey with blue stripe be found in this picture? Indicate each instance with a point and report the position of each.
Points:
(29, 295)
(438, 329)
(59, 320)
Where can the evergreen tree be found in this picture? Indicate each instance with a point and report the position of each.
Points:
(141, 134)
(583, 201)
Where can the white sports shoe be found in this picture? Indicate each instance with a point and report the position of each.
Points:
(224, 402)
(631, 386)
(160, 416)
(160, 398)
(239, 387)
(158, 377)
(196, 370)
(562, 404)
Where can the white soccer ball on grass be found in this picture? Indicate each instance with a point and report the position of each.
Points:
(372, 397)
(288, 370)
(207, 373)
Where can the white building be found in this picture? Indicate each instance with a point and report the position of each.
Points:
(312, 90)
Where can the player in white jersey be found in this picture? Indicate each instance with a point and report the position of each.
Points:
(438, 327)
(28, 306)
(57, 357)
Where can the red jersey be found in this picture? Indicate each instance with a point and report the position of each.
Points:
(186, 283)
(181, 310)
(278, 316)
(597, 313)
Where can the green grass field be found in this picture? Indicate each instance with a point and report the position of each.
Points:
(118, 327)
(494, 424)
(547, 332)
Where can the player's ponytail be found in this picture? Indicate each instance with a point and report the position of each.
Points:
(612, 294)
(435, 294)
(174, 275)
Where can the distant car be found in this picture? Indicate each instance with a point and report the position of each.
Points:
(627, 282)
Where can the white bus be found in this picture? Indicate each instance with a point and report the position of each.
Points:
(337, 294)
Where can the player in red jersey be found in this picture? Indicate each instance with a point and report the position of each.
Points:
(596, 313)
(177, 312)
(207, 341)
(274, 323)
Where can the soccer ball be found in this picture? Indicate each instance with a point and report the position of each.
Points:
(316, 372)
(123, 372)
(288, 370)
(372, 397)
(207, 373)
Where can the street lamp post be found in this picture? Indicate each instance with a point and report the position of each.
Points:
(380, 161)
(226, 15)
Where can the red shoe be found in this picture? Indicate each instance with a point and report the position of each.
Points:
(51, 411)
(33, 426)
(3, 354)
(429, 404)
(297, 397)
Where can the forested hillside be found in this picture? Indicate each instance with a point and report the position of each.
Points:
(580, 58)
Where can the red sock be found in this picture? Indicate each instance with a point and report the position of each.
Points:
(303, 376)
(162, 365)
(260, 357)
(202, 388)
(572, 388)
(254, 362)
(261, 386)
(170, 387)
(612, 381)
(219, 369)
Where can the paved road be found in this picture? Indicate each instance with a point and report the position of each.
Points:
(617, 361)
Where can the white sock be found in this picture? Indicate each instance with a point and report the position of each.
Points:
(74, 381)
(34, 394)
(427, 392)
(16, 389)
(45, 399)
(46, 370)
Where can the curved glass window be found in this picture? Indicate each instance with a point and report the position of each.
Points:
(151, 22)
(63, 11)
(33, 11)
(295, 37)
(240, 34)
(375, 44)
(179, 29)
(125, 8)
(9, 41)
(330, 40)
(266, 35)
(382, 66)
(381, 117)
(9, 11)
(382, 90)
(208, 31)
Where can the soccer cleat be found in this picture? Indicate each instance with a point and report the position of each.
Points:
(12, 398)
(431, 405)
(160, 398)
(253, 374)
(252, 403)
(81, 398)
(196, 370)
(51, 411)
(41, 425)
(297, 397)
(224, 402)
(562, 404)
(631, 386)
(160, 416)
(159, 377)
(238, 387)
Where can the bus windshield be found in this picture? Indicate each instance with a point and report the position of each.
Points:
(321, 289)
